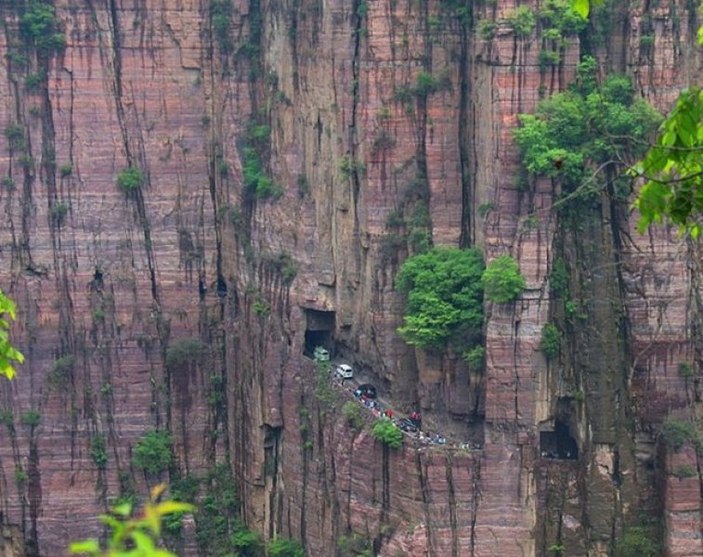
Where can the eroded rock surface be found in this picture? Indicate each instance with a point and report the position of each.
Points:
(383, 125)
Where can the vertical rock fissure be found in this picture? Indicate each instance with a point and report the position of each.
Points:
(467, 234)
(34, 495)
(451, 499)
(475, 502)
(425, 491)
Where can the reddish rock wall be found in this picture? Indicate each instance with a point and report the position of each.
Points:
(359, 144)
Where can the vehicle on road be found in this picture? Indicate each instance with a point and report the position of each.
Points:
(321, 354)
(344, 371)
(406, 424)
(366, 390)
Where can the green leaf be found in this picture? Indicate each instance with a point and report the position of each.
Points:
(86, 546)
(582, 7)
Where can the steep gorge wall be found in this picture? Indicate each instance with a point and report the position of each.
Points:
(388, 121)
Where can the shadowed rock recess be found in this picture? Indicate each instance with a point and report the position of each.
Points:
(195, 193)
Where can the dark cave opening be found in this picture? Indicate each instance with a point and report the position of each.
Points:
(319, 331)
(558, 444)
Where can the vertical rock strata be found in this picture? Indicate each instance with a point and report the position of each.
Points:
(285, 157)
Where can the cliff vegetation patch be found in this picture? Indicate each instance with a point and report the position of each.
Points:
(444, 298)
(502, 280)
(575, 137)
(152, 453)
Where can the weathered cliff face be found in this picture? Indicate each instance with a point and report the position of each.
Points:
(290, 156)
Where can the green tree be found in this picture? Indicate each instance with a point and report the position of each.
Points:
(284, 547)
(502, 280)
(152, 452)
(577, 135)
(388, 433)
(445, 297)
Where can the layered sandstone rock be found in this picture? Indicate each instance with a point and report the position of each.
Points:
(388, 121)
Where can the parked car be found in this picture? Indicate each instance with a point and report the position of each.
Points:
(321, 354)
(344, 371)
(406, 424)
(365, 390)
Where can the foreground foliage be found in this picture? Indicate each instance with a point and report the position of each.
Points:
(133, 535)
(8, 353)
(673, 168)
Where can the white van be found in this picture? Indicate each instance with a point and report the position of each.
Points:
(321, 354)
(344, 371)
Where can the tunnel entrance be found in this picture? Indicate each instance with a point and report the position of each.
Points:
(558, 444)
(319, 331)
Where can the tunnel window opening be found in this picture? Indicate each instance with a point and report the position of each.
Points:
(558, 444)
(319, 331)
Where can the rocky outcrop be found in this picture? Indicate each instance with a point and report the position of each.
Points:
(286, 158)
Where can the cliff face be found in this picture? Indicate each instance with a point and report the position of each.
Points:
(287, 157)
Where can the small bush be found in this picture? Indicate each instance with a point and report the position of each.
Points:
(637, 541)
(98, 451)
(282, 547)
(59, 377)
(559, 278)
(388, 433)
(550, 341)
(476, 358)
(686, 370)
(31, 418)
(34, 80)
(348, 166)
(21, 476)
(8, 182)
(65, 170)
(247, 542)
(7, 418)
(152, 453)
(40, 26)
(427, 83)
(676, 433)
(58, 212)
(685, 471)
(486, 29)
(261, 308)
(130, 179)
(15, 136)
(184, 354)
(502, 280)
(522, 21)
(353, 414)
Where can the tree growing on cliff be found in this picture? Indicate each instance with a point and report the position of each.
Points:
(586, 132)
(502, 280)
(387, 433)
(444, 297)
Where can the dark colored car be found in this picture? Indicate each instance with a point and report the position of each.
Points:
(365, 390)
(406, 424)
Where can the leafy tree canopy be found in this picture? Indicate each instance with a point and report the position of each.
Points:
(445, 296)
(587, 127)
(502, 280)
